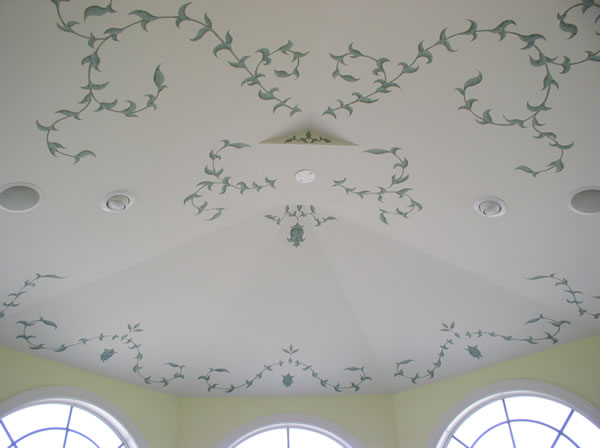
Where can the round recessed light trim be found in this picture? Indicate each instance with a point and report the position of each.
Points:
(490, 207)
(19, 197)
(585, 201)
(117, 201)
(305, 176)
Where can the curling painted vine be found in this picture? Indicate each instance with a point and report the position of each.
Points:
(393, 190)
(12, 299)
(297, 230)
(112, 340)
(254, 74)
(220, 182)
(455, 337)
(287, 379)
(386, 80)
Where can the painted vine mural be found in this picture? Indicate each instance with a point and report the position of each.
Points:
(252, 66)
(395, 190)
(287, 379)
(220, 183)
(549, 333)
(309, 139)
(299, 213)
(13, 298)
(386, 78)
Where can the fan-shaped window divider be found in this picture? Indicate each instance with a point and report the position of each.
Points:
(541, 416)
(60, 418)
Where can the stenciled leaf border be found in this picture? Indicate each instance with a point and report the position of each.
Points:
(386, 82)
(224, 43)
(218, 181)
(292, 362)
(456, 336)
(408, 204)
(299, 212)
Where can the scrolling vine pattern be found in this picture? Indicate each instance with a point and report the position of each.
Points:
(219, 181)
(554, 327)
(308, 138)
(393, 189)
(297, 230)
(13, 297)
(255, 75)
(386, 81)
(287, 379)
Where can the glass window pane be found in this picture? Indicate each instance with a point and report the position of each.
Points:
(499, 437)
(90, 425)
(51, 438)
(274, 438)
(533, 434)
(480, 421)
(305, 438)
(536, 408)
(4, 440)
(75, 440)
(582, 431)
(563, 442)
(35, 417)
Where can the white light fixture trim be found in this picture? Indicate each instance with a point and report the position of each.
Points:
(585, 201)
(19, 197)
(117, 201)
(305, 176)
(490, 207)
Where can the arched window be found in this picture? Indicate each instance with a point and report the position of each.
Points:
(526, 414)
(60, 418)
(290, 431)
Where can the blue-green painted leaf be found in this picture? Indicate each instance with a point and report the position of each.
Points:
(406, 361)
(364, 99)
(268, 95)
(181, 14)
(468, 103)
(530, 40)
(472, 29)
(349, 78)
(382, 217)
(80, 155)
(223, 46)
(48, 323)
(144, 15)
(566, 27)
(501, 28)
(486, 117)
(540, 107)
(212, 218)
(379, 63)
(423, 53)
(408, 68)
(515, 121)
(113, 33)
(159, 78)
(130, 110)
(200, 34)
(96, 10)
(53, 147)
(562, 147)
(593, 56)
(41, 127)
(239, 145)
(549, 81)
(377, 151)
(93, 60)
(207, 21)
(69, 113)
(471, 82)
(526, 169)
(282, 74)
(444, 41)
(92, 86)
(330, 111)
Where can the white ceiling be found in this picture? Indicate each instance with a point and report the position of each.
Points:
(233, 292)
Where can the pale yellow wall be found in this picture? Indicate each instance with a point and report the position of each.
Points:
(206, 421)
(575, 367)
(153, 413)
(402, 420)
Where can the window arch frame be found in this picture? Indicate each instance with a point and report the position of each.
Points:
(475, 400)
(107, 412)
(291, 420)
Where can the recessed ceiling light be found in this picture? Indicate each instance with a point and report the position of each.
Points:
(490, 207)
(117, 201)
(305, 176)
(585, 201)
(19, 197)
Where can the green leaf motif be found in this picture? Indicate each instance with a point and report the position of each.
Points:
(96, 10)
(297, 214)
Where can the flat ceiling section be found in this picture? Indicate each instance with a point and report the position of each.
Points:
(228, 276)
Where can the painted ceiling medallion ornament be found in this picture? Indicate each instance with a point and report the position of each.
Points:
(287, 379)
(297, 230)
(407, 204)
(551, 334)
(221, 183)
(310, 139)
(94, 98)
(386, 79)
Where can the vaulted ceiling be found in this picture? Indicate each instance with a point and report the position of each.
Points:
(226, 275)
